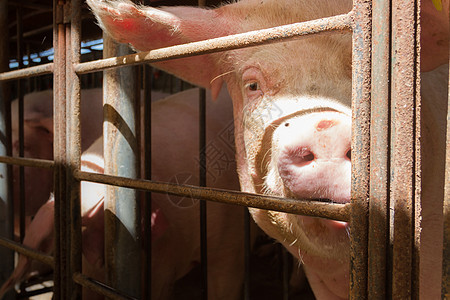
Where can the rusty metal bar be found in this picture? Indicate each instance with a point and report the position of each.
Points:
(360, 148)
(253, 38)
(404, 59)
(446, 208)
(29, 252)
(28, 72)
(147, 204)
(20, 92)
(6, 200)
(73, 52)
(99, 287)
(202, 182)
(316, 208)
(27, 162)
(378, 243)
(122, 157)
(61, 278)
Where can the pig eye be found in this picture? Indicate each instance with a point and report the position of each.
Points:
(253, 90)
(253, 86)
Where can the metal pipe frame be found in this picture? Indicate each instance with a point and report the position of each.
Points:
(73, 85)
(6, 200)
(446, 211)
(249, 39)
(121, 110)
(361, 84)
(405, 151)
(304, 207)
(378, 236)
(369, 205)
(43, 258)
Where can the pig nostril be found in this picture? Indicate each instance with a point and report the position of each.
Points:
(349, 154)
(308, 157)
(301, 157)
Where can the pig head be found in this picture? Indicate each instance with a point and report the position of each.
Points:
(291, 103)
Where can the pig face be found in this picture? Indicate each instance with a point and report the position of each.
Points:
(291, 104)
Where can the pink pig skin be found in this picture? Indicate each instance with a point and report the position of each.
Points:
(175, 220)
(291, 104)
(38, 140)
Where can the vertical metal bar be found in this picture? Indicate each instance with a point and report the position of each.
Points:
(20, 95)
(74, 141)
(285, 273)
(6, 203)
(360, 148)
(202, 182)
(446, 251)
(404, 58)
(147, 204)
(59, 152)
(202, 179)
(379, 152)
(121, 152)
(247, 246)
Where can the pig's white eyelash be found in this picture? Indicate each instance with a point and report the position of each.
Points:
(300, 261)
(221, 75)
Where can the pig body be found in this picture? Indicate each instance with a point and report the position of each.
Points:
(175, 220)
(292, 116)
(38, 140)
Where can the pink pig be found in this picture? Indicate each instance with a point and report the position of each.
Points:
(38, 140)
(292, 116)
(175, 220)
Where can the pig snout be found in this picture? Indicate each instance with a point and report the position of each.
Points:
(312, 156)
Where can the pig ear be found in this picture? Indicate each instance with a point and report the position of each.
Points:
(434, 34)
(147, 28)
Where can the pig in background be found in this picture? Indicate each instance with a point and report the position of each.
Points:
(291, 104)
(38, 141)
(175, 220)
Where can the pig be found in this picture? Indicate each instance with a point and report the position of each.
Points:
(292, 111)
(175, 220)
(38, 140)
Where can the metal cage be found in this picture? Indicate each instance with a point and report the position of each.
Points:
(382, 172)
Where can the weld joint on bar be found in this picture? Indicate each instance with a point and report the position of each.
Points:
(231, 42)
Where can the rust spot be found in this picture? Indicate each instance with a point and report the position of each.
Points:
(325, 124)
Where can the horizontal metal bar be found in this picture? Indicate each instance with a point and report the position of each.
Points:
(27, 72)
(27, 162)
(335, 211)
(26, 295)
(99, 287)
(44, 258)
(242, 40)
